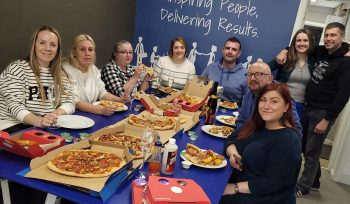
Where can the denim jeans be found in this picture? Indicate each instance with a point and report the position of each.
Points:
(313, 145)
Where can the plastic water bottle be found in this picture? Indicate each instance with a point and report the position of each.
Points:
(169, 157)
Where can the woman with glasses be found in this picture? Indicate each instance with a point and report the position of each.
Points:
(296, 71)
(265, 152)
(24, 85)
(175, 69)
(119, 76)
(86, 78)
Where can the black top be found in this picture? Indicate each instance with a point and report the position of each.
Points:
(328, 88)
(270, 161)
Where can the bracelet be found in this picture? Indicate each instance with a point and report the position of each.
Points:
(235, 187)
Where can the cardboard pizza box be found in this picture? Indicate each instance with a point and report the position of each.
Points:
(199, 88)
(44, 142)
(162, 190)
(102, 186)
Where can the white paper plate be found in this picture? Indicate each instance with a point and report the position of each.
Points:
(221, 117)
(224, 163)
(118, 110)
(74, 121)
(235, 113)
(206, 129)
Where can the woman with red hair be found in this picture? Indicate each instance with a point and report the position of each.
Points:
(266, 152)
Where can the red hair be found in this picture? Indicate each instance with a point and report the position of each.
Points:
(256, 122)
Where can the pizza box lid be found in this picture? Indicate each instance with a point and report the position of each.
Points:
(39, 169)
(163, 190)
(45, 142)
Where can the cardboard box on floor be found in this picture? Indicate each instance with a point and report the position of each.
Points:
(45, 142)
(103, 186)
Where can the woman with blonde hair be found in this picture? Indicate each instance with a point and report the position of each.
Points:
(86, 78)
(24, 85)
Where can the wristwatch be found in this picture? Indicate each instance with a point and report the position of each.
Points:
(235, 186)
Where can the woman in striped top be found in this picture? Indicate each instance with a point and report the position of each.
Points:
(24, 85)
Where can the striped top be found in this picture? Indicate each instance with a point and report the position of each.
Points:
(19, 94)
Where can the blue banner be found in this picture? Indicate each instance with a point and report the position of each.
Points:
(264, 27)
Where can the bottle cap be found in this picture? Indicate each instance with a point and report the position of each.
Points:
(172, 141)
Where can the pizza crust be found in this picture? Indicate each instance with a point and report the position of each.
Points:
(109, 171)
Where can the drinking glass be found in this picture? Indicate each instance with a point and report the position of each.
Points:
(133, 92)
(52, 96)
(147, 139)
(170, 80)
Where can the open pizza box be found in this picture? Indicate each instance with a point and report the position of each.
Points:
(102, 186)
(41, 143)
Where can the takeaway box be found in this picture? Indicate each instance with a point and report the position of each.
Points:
(165, 190)
(191, 98)
(101, 186)
(31, 143)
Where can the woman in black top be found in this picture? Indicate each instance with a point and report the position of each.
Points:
(266, 152)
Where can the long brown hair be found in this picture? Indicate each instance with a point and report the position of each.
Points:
(55, 65)
(257, 123)
(292, 56)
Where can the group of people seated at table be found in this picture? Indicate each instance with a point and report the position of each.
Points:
(265, 149)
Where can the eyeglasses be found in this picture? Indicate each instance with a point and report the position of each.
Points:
(257, 75)
(125, 52)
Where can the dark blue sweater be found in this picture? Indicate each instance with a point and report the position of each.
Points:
(270, 161)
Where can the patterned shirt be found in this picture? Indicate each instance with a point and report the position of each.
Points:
(19, 94)
(115, 78)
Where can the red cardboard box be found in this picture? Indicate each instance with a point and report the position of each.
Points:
(163, 190)
(45, 142)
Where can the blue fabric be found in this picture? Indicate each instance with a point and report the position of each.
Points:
(270, 161)
(300, 108)
(247, 108)
(233, 80)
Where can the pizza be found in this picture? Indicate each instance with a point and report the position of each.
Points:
(158, 124)
(229, 120)
(167, 90)
(117, 105)
(188, 98)
(85, 163)
(131, 142)
(182, 119)
(22, 142)
(148, 70)
(225, 130)
(229, 105)
(203, 157)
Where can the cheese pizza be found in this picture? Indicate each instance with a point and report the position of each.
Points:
(157, 124)
(117, 105)
(131, 142)
(85, 163)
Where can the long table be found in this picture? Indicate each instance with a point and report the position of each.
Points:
(213, 181)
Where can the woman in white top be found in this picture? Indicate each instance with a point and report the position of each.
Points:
(24, 85)
(86, 78)
(176, 66)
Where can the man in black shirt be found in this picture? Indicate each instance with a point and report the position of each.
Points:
(326, 95)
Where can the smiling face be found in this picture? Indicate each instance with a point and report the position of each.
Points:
(255, 83)
(302, 43)
(85, 53)
(271, 108)
(179, 51)
(124, 55)
(46, 46)
(333, 39)
(231, 52)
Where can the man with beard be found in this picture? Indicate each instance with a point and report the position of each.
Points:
(258, 75)
(228, 73)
